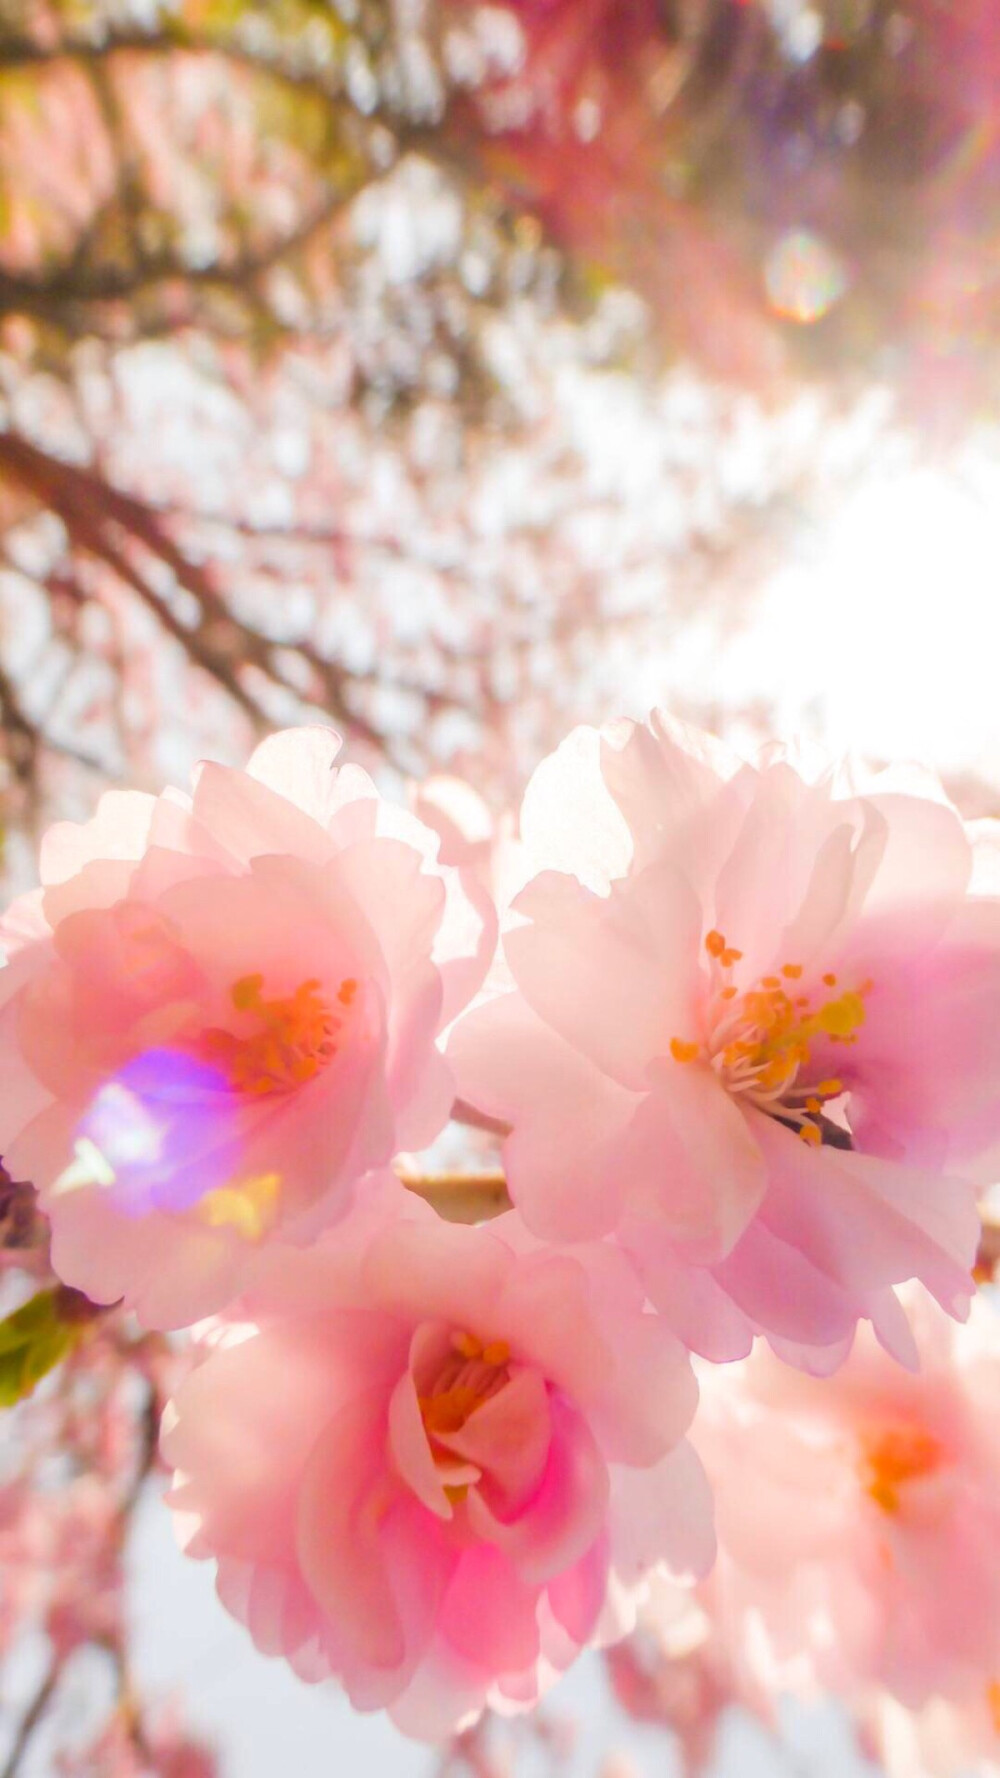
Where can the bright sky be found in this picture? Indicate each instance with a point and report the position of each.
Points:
(882, 640)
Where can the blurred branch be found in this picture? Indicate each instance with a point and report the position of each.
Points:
(47, 295)
(988, 1257)
(98, 518)
(461, 1197)
(30, 1721)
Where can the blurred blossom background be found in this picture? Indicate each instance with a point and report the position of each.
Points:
(454, 373)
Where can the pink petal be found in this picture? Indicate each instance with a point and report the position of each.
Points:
(249, 820)
(118, 829)
(567, 1511)
(576, 1598)
(408, 1444)
(925, 868)
(241, 1429)
(663, 1514)
(300, 764)
(676, 799)
(869, 1223)
(693, 1161)
(702, 1314)
(507, 1439)
(434, 1271)
(343, 1493)
(489, 1612)
(569, 821)
(616, 977)
(567, 1117)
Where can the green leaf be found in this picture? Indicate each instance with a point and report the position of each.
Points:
(32, 1342)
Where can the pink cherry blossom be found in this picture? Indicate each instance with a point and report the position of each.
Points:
(754, 1033)
(859, 1515)
(434, 1461)
(681, 1669)
(944, 1739)
(219, 1011)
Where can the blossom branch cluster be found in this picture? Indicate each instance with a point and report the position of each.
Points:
(78, 1458)
(681, 1349)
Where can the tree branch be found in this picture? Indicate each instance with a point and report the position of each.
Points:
(30, 1721)
(461, 1197)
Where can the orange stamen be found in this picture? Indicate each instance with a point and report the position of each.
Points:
(297, 1039)
(901, 1454)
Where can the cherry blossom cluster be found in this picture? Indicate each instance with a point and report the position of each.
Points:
(736, 1031)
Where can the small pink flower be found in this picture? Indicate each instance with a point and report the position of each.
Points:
(219, 1011)
(754, 1033)
(682, 1670)
(433, 1460)
(859, 1515)
(945, 1739)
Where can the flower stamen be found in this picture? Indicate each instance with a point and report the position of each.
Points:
(469, 1376)
(900, 1455)
(760, 1040)
(298, 1038)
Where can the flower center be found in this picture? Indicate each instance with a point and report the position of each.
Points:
(893, 1458)
(470, 1374)
(296, 1039)
(759, 1040)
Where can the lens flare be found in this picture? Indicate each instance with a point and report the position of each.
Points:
(159, 1135)
(804, 277)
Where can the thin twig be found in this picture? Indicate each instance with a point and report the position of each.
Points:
(30, 1721)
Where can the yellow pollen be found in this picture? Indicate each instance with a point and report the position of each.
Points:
(993, 1703)
(759, 1040)
(903, 1454)
(297, 1039)
(776, 1072)
(449, 1411)
(465, 1381)
(840, 1018)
